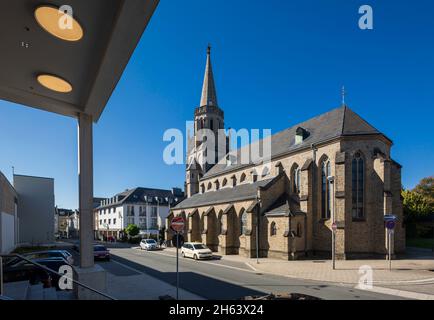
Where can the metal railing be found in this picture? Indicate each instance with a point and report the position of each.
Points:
(50, 271)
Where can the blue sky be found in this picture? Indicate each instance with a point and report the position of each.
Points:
(276, 63)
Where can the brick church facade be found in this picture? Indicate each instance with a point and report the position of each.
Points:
(334, 167)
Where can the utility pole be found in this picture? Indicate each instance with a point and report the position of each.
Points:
(258, 210)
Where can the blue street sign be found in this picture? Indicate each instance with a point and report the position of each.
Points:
(390, 224)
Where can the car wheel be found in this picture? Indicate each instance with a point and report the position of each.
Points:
(195, 257)
(183, 254)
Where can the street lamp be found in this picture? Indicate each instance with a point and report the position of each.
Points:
(331, 180)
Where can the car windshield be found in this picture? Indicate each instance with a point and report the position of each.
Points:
(99, 248)
(200, 246)
(150, 241)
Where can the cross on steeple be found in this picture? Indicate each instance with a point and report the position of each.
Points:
(344, 93)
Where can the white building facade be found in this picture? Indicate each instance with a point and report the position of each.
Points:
(144, 207)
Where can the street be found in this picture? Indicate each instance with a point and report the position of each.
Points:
(222, 279)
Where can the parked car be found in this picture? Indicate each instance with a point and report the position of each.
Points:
(197, 251)
(23, 270)
(100, 252)
(51, 254)
(148, 244)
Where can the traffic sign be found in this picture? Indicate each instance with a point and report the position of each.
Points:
(177, 224)
(390, 224)
(178, 240)
(390, 217)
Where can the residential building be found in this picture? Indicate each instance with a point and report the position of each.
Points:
(147, 208)
(67, 223)
(334, 171)
(35, 209)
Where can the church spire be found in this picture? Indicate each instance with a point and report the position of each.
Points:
(209, 94)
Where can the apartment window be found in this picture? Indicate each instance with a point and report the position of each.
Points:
(358, 183)
(130, 220)
(105, 221)
(114, 221)
(143, 224)
(100, 221)
(154, 218)
(109, 221)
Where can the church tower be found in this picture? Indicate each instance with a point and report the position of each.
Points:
(207, 116)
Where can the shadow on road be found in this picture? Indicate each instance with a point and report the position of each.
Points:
(206, 287)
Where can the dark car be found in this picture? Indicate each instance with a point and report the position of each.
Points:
(16, 270)
(101, 253)
(21, 270)
(51, 254)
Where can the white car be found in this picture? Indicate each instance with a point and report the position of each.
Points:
(196, 251)
(148, 244)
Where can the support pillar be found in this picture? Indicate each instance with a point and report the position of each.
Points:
(85, 189)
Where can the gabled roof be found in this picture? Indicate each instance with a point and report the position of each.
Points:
(333, 124)
(143, 195)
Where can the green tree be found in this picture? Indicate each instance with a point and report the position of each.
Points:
(426, 189)
(132, 230)
(416, 206)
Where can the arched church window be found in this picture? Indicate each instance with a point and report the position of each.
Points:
(243, 223)
(225, 182)
(299, 230)
(202, 188)
(209, 186)
(243, 177)
(326, 189)
(265, 171)
(358, 184)
(296, 173)
(273, 229)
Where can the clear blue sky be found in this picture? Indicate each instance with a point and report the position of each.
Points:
(276, 63)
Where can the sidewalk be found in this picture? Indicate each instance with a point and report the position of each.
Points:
(411, 278)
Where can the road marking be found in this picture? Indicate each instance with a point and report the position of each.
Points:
(204, 262)
(250, 266)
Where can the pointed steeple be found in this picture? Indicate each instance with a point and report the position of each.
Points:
(209, 93)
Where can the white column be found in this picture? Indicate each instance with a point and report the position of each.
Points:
(85, 189)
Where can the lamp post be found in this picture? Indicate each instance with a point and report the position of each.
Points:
(331, 180)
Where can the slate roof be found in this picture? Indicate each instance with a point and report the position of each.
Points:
(240, 192)
(284, 206)
(333, 124)
(145, 195)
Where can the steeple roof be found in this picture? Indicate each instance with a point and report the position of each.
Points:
(209, 93)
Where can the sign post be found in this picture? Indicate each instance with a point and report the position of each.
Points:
(390, 222)
(334, 228)
(177, 225)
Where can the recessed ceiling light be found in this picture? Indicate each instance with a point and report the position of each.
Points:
(54, 83)
(49, 18)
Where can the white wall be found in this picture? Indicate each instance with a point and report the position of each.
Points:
(7, 232)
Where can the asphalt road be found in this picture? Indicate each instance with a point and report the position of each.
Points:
(220, 279)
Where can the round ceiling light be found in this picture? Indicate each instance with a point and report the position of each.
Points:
(54, 83)
(59, 24)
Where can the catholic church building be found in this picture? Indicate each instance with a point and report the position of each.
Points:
(334, 169)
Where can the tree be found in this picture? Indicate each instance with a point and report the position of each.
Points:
(426, 189)
(132, 230)
(416, 206)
